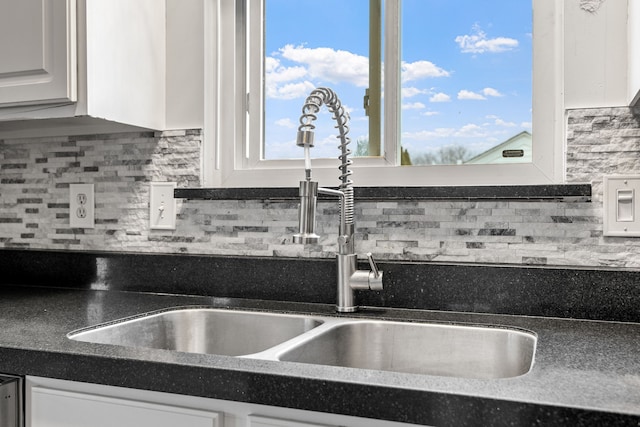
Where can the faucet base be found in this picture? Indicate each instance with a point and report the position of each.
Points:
(306, 239)
(347, 265)
(352, 309)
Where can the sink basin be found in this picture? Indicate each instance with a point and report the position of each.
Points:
(201, 330)
(481, 352)
(432, 349)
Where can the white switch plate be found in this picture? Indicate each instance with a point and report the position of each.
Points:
(162, 206)
(621, 206)
(81, 206)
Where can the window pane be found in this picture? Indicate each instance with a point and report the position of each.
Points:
(309, 44)
(466, 81)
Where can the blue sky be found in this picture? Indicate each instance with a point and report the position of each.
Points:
(466, 71)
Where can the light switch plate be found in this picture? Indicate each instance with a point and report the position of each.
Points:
(621, 206)
(81, 206)
(162, 206)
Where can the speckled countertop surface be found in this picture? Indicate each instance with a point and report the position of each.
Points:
(585, 372)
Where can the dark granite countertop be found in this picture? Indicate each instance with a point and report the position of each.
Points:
(585, 372)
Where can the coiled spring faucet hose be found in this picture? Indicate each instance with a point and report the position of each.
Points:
(315, 100)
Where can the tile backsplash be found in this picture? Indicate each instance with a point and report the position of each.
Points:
(34, 205)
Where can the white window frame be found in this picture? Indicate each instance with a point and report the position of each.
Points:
(231, 149)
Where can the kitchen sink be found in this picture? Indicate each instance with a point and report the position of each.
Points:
(482, 352)
(432, 349)
(201, 330)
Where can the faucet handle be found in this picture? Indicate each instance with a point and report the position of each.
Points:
(375, 275)
(374, 266)
(366, 279)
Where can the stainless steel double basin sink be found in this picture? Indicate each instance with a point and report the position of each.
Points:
(452, 350)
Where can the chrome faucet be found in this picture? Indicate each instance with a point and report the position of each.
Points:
(349, 277)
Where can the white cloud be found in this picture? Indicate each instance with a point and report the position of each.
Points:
(479, 96)
(471, 130)
(408, 92)
(274, 72)
(289, 90)
(500, 122)
(336, 66)
(421, 70)
(430, 113)
(279, 80)
(440, 97)
(468, 95)
(477, 42)
(356, 116)
(286, 74)
(497, 121)
(270, 64)
(413, 106)
(489, 91)
(429, 134)
(466, 131)
(286, 123)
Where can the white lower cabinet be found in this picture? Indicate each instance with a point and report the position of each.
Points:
(58, 403)
(50, 407)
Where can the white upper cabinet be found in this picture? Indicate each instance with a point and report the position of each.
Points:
(87, 66)
(634, 52)
(37, 52)
(596, 55)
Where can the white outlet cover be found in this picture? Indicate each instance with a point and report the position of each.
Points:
(162, 206)
(81, 206)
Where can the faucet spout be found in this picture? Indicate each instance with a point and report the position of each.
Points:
(307, 213)
(349, 277)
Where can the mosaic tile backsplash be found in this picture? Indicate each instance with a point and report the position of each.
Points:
(34, 205)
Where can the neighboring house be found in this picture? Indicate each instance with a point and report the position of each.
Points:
(507, 152)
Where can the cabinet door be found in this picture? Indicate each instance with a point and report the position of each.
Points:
(56, 408)
(633, 29)
(37, 51)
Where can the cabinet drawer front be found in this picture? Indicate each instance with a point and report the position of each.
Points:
(56, 408)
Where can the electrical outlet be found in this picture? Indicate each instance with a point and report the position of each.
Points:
(81, 206)
(162, 206)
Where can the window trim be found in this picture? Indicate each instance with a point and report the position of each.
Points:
(374, 91)
(225, 161)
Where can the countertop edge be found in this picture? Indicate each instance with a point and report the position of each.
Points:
(424, 407)
(577, 192)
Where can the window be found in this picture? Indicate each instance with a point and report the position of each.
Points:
(236, 154)
(307, 46)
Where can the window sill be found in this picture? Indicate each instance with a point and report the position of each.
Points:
(560, 192)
